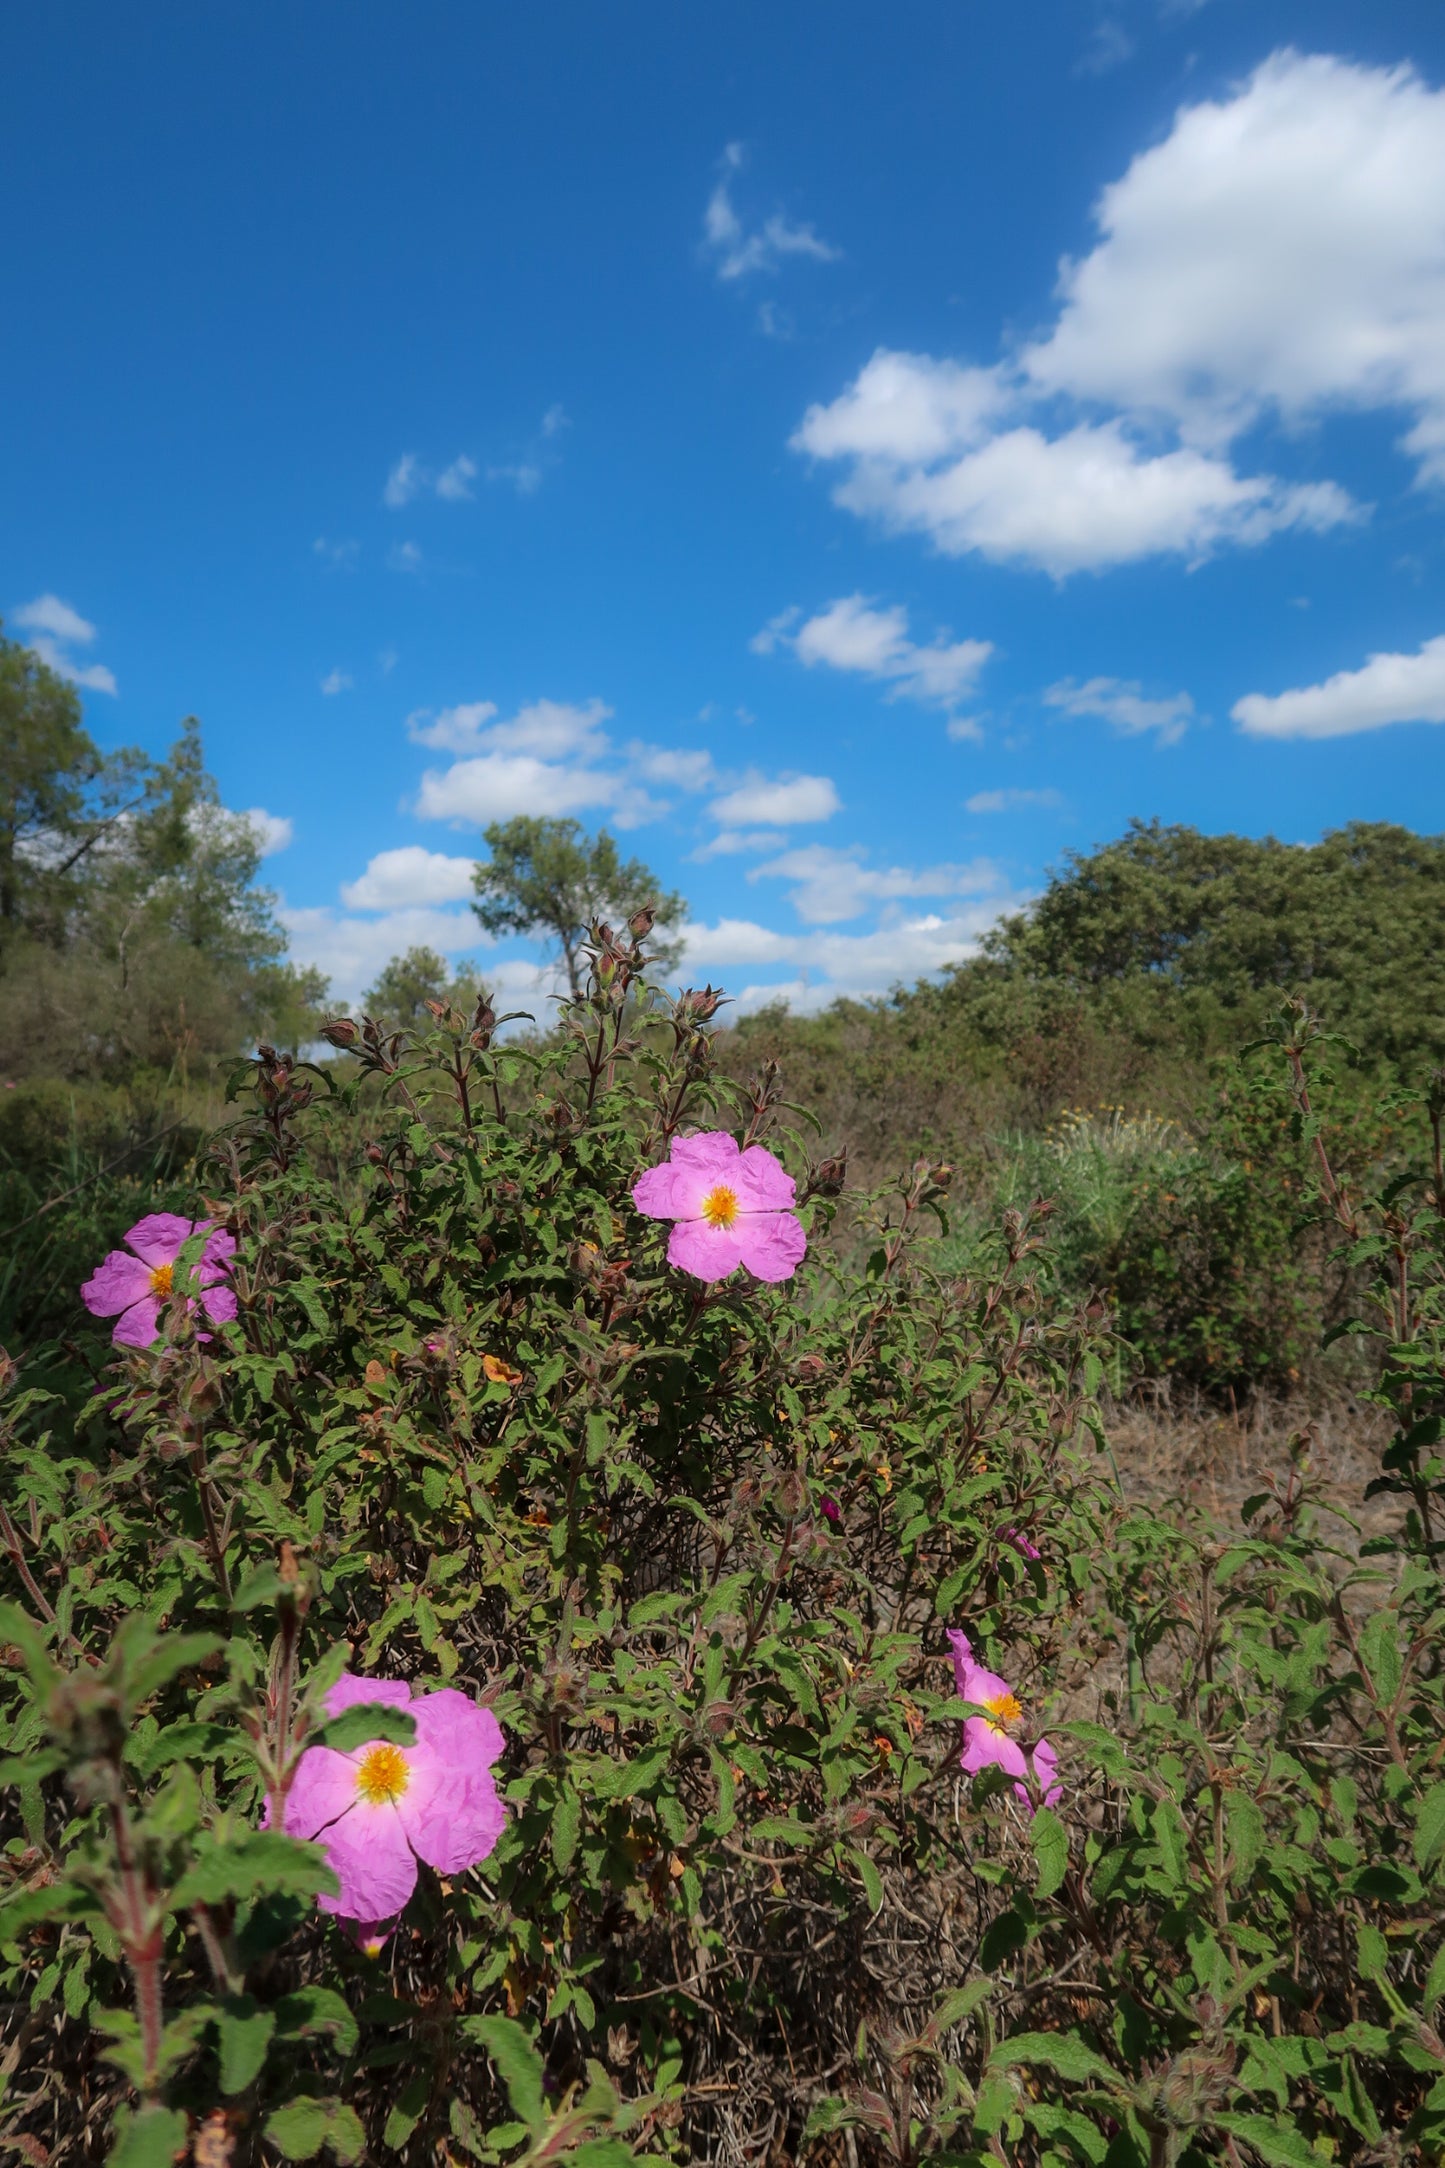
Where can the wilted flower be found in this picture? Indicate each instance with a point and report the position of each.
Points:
(729, 1208)
(831, 1510)
(987, 1740)
(499, 1372)
(378, 1808)
(135, 1287)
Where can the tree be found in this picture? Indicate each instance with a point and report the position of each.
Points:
(549, 877)
(406, 984)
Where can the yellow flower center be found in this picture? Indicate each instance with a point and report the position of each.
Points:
(161, 1277)
(382, 1776)
(720, 1206)
(1007, 1710)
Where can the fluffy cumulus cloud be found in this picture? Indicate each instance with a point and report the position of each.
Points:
(56, 631)
(1388, 689)
(551, 759)
(824, 965)
(1278, 257)
(738, 251)
(273, 831)
(852, 633)
(778, 801)
(407, 877)
(1123, 704)
(829, 886)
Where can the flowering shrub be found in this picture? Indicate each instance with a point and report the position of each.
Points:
(494, 1698)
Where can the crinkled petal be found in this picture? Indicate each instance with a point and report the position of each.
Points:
(984, 1747)
(369, 1854)
(323, 1789)
(708, 1253)
(140, 1325)
(652, 1193)
(115, 1284)
(454, 1823)
(772, 1243)
(158, 1237)
(710, 1151)
(219, 1304)
(216, 1256)
(351, 1688)
(1046, 1772)
(457, 1730)
(764, 1184)
(962, 1652)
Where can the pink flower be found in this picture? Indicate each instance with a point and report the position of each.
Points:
(986, 1739)
(831, 1510)
(137, 1286)
(379, 1808)
(729, 1207)
(1021, 1544)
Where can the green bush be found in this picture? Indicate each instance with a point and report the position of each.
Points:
(698, 1547)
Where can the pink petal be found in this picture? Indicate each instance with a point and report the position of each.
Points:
(652, 1192)
(1046, 1772)
(216, 1256)
(455, 1824)
(708, 1253)
(140, 1325)
(962, 1648)
(456, 1730)
(351, 1688)
(323, 1789)
(219, 1304)
(369, 1854)
(772, 1243)
(115, 1284)
(711, 1152)
(986, 1748)
(764, 1184)
(159, 1236)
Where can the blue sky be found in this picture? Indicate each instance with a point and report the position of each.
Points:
(857, 456)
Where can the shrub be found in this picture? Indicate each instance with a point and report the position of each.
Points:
(703, 1550)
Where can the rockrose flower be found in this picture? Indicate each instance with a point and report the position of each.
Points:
(136, 1286)
(379, 1808)
(988, 1740)
(728, 1208)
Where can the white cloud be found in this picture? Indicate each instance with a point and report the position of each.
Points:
(739, 842)
(736, 252)
(1086, 500)
(1006, 801)
(454, 730)
(409, 876)
(49, 614)
(341, 556)
(525, 476)
(1282, 249)
(1121, 703)
(1279, 257)
(406, 480)
(759, 801)
(455, 482)
(500, 786)
(409, 479)
(56, 628)
(273, 831)
(687, 768)
(853, 635)
(555, 419)
(1388, 689)
(404, 557)
(1109, 46)
(835, 884)
(830, 964)
(351, 951)
(387, 661)
(336, 681)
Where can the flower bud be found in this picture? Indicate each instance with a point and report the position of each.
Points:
(339, 1031)
(830, 1174)
(642, 922)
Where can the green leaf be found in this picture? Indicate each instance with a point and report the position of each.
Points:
(1278, 2143)
(313, 2010)
(1373, 1951)
(243, 2033)
(518, 2065)
(1064, 2053)
(566, 1827)
(152, 2139)
(363, 1722)
(871, 1879)
(1050, 1841)
(1380, 1651)
(303, 2127)
(1430, 1826)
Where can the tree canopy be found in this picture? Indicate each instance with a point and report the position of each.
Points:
(549, 878)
